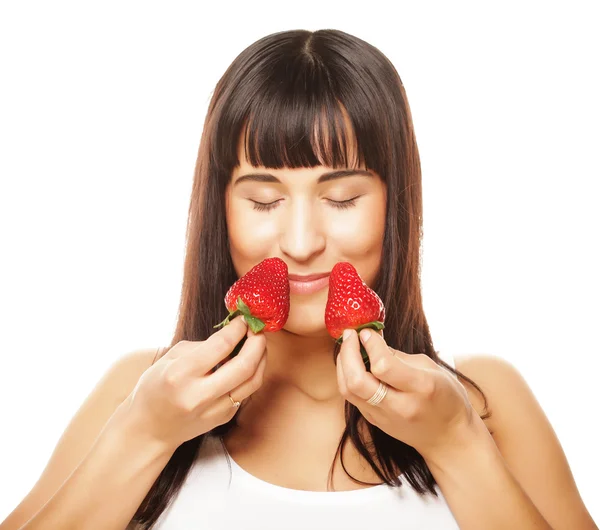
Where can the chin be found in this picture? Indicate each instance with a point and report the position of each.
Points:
(307, 317)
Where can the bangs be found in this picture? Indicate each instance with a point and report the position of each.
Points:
(298, 104)
(300, 133)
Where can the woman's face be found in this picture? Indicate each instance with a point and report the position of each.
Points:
(304, 226)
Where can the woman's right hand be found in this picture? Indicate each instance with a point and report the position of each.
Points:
(178, 398)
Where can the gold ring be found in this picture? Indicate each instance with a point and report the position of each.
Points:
(236, 404)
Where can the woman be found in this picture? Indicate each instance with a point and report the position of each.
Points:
(309, 446)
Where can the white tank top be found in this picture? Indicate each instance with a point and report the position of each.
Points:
(215, 498)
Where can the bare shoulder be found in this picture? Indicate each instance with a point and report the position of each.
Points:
(122, 376)
(490, 373)
(507, 393)
(526, 439)
(117, 382)
(125, 372)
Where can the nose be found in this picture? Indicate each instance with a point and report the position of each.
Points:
(302, 232)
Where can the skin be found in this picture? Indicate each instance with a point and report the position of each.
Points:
(300, 389)
(288, 430)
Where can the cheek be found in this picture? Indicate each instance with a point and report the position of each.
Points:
(250, 236)
(361, 230)
(359, 239)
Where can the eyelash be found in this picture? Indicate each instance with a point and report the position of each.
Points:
(342, 205)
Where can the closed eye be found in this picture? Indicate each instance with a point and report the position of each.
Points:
(266, 207)
(344, 204)
(263, 207)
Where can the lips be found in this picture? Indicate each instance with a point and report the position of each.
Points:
(307, 285)
(308, 278)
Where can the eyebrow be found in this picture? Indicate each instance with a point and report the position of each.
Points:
(325, 177)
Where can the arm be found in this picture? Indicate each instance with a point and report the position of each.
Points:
(81, 432)
(479, 488)
(106, 489)
(520, 478)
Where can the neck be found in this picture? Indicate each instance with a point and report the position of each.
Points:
(302, 364)
(300, 381)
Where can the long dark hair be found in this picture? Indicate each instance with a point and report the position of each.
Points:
(290, 95)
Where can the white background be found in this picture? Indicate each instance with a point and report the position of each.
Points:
(101, 111)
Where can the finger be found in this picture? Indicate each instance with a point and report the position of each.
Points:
(224, 406)
(201, 356)
(248, 387)
(239, 369)
(358, 381)
(340, 377)
(222, 343)
(347, 395)
(222, 410)
(389, 368)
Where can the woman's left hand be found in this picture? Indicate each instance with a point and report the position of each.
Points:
(425, 406)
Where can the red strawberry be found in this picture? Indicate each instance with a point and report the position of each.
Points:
(262, 295)
(351, 303)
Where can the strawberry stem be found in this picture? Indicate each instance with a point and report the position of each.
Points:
(230, 317)
(365, 358)
(372, 325)
(255, 324)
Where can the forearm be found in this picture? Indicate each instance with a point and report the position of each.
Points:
(480, 489)
(106, 489)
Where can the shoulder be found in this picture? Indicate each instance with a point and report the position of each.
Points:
(511, 402)
(526, 439)
(137, 361)
(489, 371)
(114, 386)
(500, 381)
(124, 373)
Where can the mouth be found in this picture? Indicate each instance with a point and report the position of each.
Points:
(308, 284)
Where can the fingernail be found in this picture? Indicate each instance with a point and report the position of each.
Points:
(365, 334)
(346, 334)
